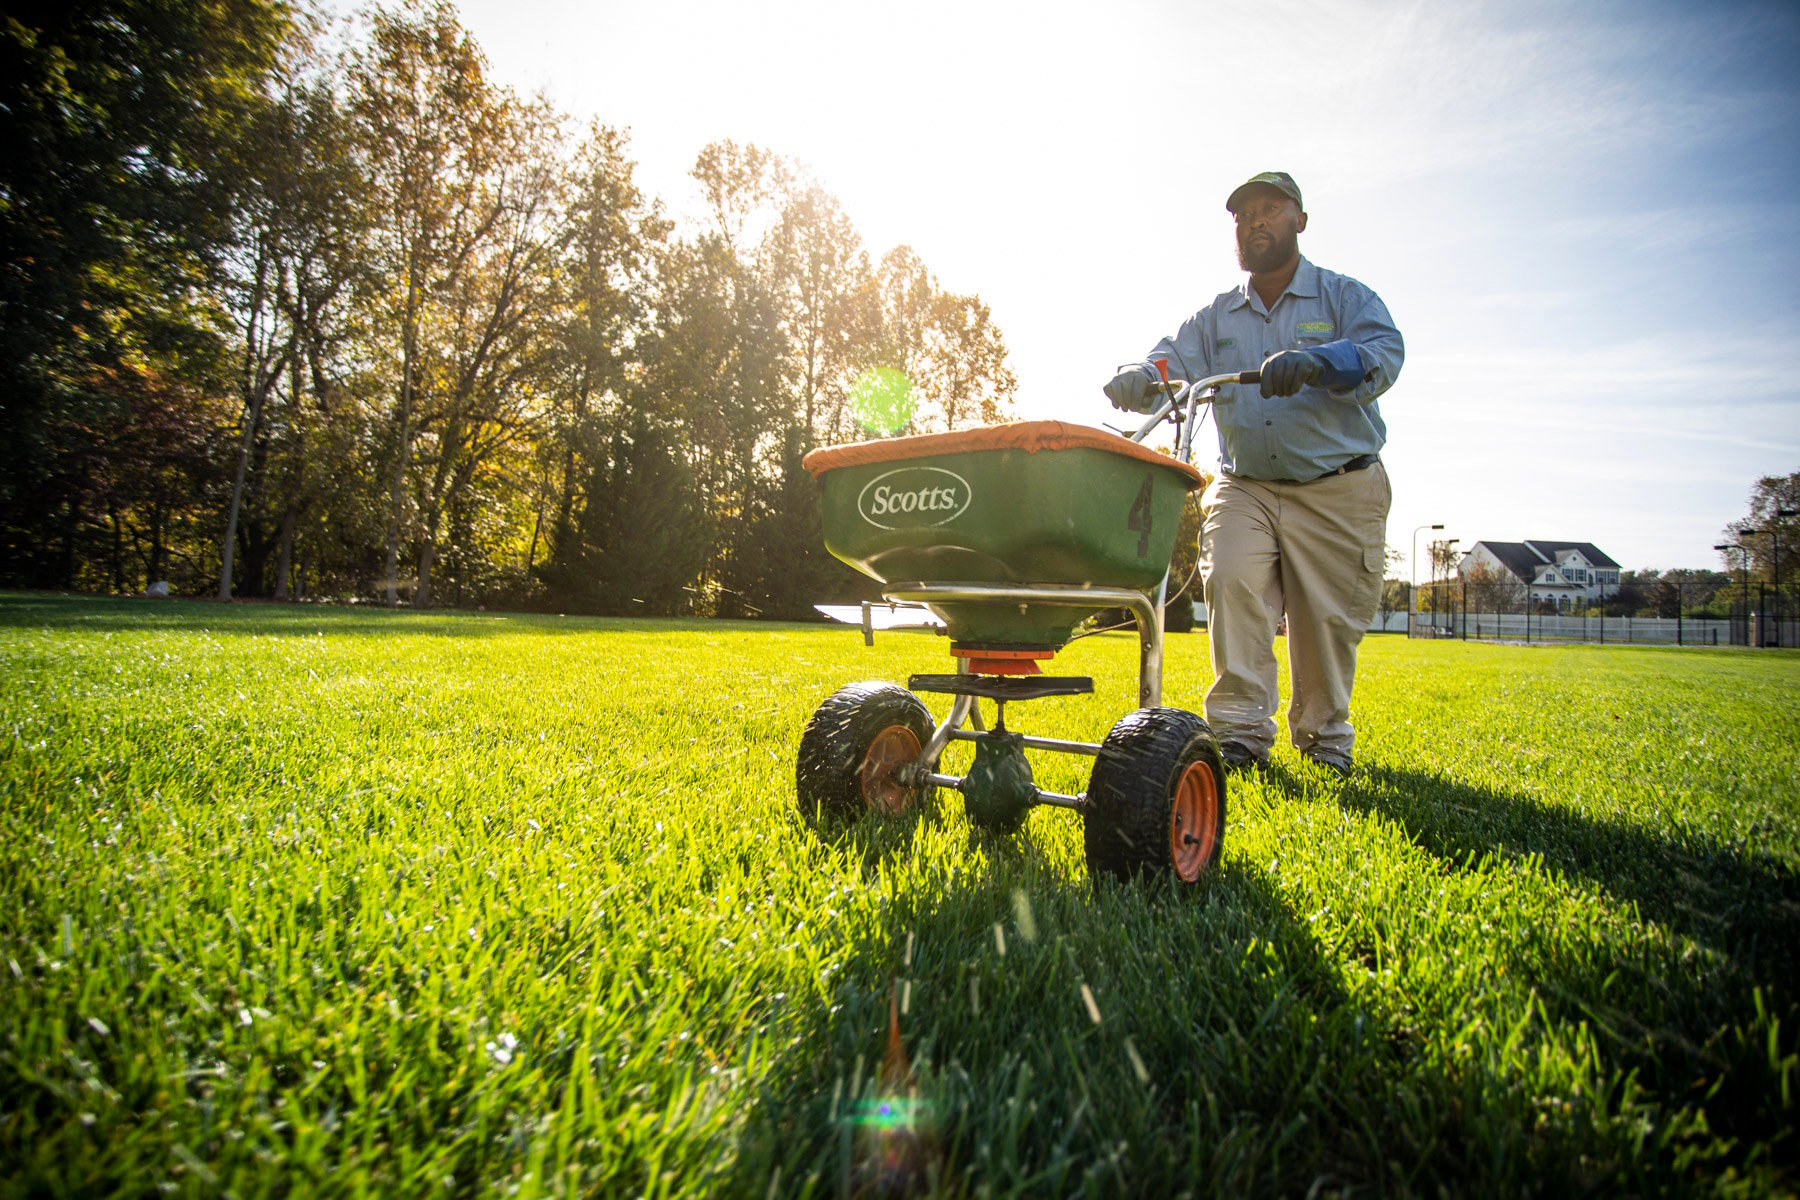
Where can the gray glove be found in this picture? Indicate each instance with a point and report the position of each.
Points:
(1129, 391)
(1285, 373)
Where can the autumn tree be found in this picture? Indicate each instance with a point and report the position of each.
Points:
(115, 171)
(1491, 588)
(433, 143)
(609, 243)
(1770, 496)
(293, 271)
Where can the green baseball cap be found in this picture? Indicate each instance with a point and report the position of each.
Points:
(1281, 181)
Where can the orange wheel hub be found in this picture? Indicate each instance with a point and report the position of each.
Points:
(892, 748)
(1194, 823)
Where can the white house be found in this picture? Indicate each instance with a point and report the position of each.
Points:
(1560, 572)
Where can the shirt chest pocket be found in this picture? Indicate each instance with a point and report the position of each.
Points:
(1234, 354)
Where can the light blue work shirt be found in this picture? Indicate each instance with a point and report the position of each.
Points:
(1319, 428)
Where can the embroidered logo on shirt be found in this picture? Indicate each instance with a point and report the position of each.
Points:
(1315, 328)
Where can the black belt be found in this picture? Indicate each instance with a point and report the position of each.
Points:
(1361, 462)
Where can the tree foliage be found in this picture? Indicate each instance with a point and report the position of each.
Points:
(308, 310)
(116, 195)
(1770, 496)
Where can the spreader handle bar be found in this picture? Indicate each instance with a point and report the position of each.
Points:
(1202, 390)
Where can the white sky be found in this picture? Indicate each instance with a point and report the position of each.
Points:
(1581, 217)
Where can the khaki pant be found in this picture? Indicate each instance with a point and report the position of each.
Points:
(1315, 551)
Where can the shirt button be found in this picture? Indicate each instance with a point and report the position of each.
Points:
(1268, 422)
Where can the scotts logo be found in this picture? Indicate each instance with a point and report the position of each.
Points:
(914, 498)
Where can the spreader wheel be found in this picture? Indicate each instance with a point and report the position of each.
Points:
(853, 747)
(1156, 800)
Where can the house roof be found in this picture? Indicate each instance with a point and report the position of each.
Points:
(1517, 557)
(1524, 559)
(1554, 550)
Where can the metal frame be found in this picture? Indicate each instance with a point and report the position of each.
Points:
(1179, 403)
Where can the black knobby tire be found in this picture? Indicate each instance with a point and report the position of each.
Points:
(1156, 764)
(850, 746)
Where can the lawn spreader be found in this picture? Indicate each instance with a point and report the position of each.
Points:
(1012, 535)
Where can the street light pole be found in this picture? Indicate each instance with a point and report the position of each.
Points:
(1744, 570)
(1440, 550)
(1781, 514)
(1412, 580)
(1449, 618)
(1745, 559)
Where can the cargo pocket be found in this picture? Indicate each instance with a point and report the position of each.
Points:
(1368, 589)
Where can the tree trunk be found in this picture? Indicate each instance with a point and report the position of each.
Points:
(159, 553)
(396, 496)
(427, 556)
(228, 544)
(287, 554)
(537, 527)
(118, 549)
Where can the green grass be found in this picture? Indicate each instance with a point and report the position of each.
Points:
(321, 901)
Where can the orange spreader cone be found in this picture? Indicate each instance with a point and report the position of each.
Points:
(1002, 662)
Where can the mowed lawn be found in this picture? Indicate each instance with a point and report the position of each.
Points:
(323, 901)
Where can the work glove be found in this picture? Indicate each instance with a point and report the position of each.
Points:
(1129, 391)
(1285, 373)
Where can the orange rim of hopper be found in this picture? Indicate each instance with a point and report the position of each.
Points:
(892, 748)
(1195, 814)
(1030, 436)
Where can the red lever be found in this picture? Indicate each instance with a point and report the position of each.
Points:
(1162, 368)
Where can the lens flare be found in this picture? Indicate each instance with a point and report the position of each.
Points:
(881, 401)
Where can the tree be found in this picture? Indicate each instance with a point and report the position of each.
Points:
(609, 243)
(1490, 588)
(357, 310)
(644, 535)
(963, 372)
(1439, 595)
(117, 192)
(488, 349)
(1769, 495)
(1395, 593)
(433, 137)
(295, 262)
(1684, 590)
(828, 310)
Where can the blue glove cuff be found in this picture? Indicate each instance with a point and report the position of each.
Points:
(1343, 365)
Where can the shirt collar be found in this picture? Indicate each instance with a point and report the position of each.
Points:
(1304, 283)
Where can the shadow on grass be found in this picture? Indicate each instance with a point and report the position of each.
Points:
(1001, 1027)
(1743, 906)
(1012, 1031)
(874, 839)
(1713, 1030)
(136, 615)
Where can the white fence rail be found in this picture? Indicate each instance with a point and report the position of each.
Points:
(1657, 631)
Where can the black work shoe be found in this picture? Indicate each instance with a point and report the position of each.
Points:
(1239, 757)
(1337, 762)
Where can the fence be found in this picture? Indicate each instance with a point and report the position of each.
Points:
(1654, 631)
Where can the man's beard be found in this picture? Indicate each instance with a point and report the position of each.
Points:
(1277, 254)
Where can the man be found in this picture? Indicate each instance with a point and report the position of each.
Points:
(1296, 520)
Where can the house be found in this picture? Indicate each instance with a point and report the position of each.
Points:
(1560, 572)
